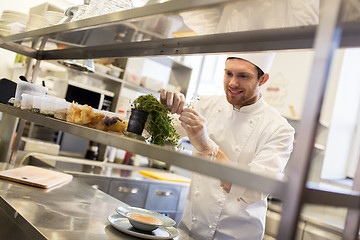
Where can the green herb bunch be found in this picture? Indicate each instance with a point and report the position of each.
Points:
(159, 123)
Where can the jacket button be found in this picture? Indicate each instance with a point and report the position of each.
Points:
(196, 193)
(210, 227)
(194, 219)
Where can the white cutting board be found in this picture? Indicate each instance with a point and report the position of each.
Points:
(36, 176)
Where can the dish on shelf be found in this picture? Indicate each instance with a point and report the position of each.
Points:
(100, 68)
(35, 22)
(144, 219)
(14, 16)
(122, 224)
(53, 17)
(114, 71)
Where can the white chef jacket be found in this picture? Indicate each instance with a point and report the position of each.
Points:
(252, 15)
(256, 135)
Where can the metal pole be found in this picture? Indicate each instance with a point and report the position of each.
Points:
(19, 133)
(37, 64)
(21, 125)
(352, 222)
(327, 39)
(7, 133)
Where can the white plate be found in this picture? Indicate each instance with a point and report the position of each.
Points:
(127, 211)
(122, 224)
(4, 33)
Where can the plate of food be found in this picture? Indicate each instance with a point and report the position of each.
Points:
(144, 219)
(122, 224)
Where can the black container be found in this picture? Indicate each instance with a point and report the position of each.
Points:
(137, 121)
(7, 90)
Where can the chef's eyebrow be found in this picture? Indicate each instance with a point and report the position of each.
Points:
(243, 72)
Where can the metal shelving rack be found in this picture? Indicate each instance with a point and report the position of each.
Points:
(324, 38)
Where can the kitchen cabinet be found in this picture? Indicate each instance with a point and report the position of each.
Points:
(131, 192)
(165, 197)
(294, 191)
(272, 226)
(97, 182)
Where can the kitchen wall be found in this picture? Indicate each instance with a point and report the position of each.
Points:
(286, 91)
(7, 58)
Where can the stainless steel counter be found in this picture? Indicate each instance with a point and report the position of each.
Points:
(71, 211)
(91, 168)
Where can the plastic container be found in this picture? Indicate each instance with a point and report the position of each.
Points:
(48, 105)
(37, 103)
(34, 145)
(61, 109)
(101, 68)
(113, 122)
(26, 87)
(114, 71)
(152, 84)
(27, 101)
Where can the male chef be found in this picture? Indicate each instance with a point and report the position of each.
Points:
(238, 128)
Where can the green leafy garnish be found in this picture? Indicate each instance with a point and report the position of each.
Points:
(159, 123)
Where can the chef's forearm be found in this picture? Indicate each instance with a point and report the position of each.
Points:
(222, 158)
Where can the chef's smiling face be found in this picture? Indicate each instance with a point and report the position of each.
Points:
(241, 82)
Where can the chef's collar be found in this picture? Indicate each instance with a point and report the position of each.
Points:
(250, 108)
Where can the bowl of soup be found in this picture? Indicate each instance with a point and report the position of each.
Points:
(144, 219)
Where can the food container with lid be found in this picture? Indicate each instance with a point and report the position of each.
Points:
(27, 87)
(37, 99)
(48, 105)
(27, 101)
(114, 122)
(62, 109)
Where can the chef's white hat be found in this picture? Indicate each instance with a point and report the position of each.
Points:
(263, 60)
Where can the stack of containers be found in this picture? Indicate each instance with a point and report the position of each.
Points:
(35, 22)
(29, 96)
(12, 18)
(53, 17)
(27, 100)
(27, 88)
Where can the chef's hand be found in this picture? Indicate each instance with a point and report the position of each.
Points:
(225, 186)
(195, 126)
(174, 101)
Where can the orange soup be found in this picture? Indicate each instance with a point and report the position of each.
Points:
(144, 218)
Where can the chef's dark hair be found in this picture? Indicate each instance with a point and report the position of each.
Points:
(260, 72)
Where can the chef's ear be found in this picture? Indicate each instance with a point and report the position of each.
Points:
(263, 79)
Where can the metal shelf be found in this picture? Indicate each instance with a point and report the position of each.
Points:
(257, 40)
(242, 176)
(108, 20)
(325, 194)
